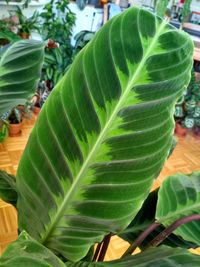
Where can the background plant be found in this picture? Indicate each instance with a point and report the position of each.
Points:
(57, 23)
(187, 112)
(96, 164)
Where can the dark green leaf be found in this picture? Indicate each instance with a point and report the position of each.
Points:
(20, 69)
(156, 257)
(26, 252)
(178, 197)
(144, 218)
(8, 190)
(104, 134)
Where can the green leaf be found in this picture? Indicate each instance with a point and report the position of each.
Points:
(161, 7)
(20, 69)
(178, 197)
(104, 134)
(26, 252)
(154, 257)
(144, 218)
(8, 190)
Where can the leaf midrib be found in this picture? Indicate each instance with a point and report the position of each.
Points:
(102, 134)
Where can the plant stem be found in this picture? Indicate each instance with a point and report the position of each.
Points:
(140, 238)
(164, 234)
(104, 247)
(97, 251)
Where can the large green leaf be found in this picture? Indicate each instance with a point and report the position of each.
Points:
(144, 218)
(20, 68)
(157, 257)
(179, 196)
(26, 252)
(104, 134)
(8, 190)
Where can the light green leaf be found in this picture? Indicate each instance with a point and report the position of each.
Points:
(20, 68)
(156, 257)
(178, 197)
(26, 252)
(8, 188)
(104, 134)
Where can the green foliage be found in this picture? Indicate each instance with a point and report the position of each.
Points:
(144, 218)
(8, 190)
(188, 111)
(82, 38)
(6, 35)
(57, 23)
(26, 25)
(27, 252)
(98, 144)
(161, 7)
(20, 69)
(179, 196)
(114, 125)
(185, 10)
(3, 130)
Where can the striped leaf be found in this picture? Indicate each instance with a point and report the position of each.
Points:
(157, 257)
(20, 68)
(179, 196)
(144, 218)
(104, 134)
(8, 188)
(26, 252)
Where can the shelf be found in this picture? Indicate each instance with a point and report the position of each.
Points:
(32, 3)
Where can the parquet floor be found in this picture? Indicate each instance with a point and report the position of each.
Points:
(186, 158)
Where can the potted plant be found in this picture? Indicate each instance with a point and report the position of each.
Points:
(101, 140)
(187, 111)
(26, 25)
(15, 122)
(58, 21)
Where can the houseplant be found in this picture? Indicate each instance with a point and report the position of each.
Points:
(26, 25)
(3, 130)
(102, 138)
(15, 122)
(57, 22)
(187, 112)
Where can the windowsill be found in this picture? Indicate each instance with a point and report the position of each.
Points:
(32, 3)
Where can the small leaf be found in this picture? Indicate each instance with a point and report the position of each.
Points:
(26, 252)
(8, 191)
(178, 197)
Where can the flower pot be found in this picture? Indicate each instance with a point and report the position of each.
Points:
(196, 133)
(15, 129)
(36, 110)
(179, 130)
(24, 35)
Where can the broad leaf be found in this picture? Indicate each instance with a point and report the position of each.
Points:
(20, 68)
(104, 134)
(144, 218)
(26, 252)
(156, 257)
(179, 196)
(8, 190)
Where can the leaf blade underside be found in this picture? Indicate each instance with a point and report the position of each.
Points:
(181, 195)
(20, 68)
(102, 122)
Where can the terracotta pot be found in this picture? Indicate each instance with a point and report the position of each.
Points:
(179, 130)
(36, 110)
(15, 129)
(196, 133)
(24, 35)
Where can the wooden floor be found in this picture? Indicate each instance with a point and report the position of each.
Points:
(186, 159)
